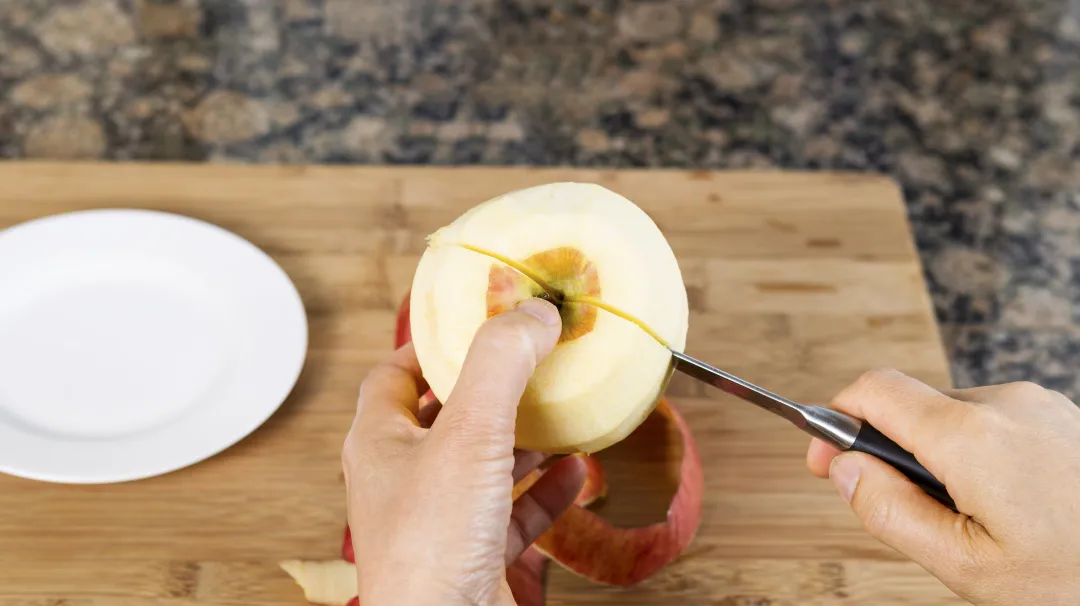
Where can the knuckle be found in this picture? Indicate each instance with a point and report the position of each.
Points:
(1012, 402)
(505, 335)
(986, 426)
(1025, 392)
(966, 564)
(458, 418)
(351, 457)
(988, 422)
(398, 431)
(964, 560)
(875, 378)
(375, 375)
(517, 527)
(884, 384)
(869, 382)
(472, 423)
(878, 515)
(961, 414)
(1057, 397)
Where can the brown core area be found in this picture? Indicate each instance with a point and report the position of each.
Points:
(566, 273)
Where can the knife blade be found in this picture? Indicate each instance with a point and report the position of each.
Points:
(842, 431)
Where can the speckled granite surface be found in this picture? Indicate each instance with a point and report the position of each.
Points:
(973, 106)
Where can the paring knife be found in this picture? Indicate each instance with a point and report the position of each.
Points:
(842, 431)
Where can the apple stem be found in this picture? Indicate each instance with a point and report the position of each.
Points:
(556, 299)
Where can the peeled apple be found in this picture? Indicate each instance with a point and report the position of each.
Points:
(607, 267)
(623, 303)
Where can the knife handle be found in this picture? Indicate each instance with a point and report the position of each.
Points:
(873, 442)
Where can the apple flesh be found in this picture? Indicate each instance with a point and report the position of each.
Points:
(607, 267)
(329, 582)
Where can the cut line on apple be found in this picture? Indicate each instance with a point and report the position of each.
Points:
(607, 267)
(587, 250)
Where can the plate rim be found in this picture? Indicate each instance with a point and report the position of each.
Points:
(257, 421)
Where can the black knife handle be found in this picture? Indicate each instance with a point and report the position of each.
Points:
(873, 442)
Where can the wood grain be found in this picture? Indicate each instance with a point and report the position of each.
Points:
(797, 281)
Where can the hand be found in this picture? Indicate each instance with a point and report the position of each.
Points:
(431, 509)
(1009, 456)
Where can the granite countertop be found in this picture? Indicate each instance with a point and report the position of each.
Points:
(973, 107)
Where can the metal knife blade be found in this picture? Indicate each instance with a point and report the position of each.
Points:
(834, 427)
(739, 388)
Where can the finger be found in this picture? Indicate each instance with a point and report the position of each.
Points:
(1018, 395)
(974, 395)
(899, 514)
(391, 391)
(819, 456)
(526, 461)
(429, 411)
(913, 414)
(536, 510)
(481, 410)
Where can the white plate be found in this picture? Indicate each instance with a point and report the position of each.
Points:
(135, 343)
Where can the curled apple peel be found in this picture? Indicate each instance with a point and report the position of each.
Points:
(590, 546)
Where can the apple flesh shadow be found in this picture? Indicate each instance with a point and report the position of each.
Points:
(607, 267)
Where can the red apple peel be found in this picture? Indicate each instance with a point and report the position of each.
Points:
(590, 546)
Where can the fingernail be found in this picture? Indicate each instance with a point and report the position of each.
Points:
(844, 473)
(541, 310)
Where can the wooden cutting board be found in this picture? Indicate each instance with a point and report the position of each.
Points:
(797, 281)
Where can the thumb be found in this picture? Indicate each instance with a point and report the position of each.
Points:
(502, 358)
(899, 514)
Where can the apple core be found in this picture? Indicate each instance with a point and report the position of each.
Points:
(607, 267)
(559, 275)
